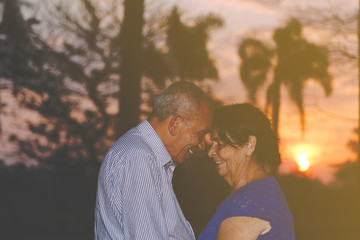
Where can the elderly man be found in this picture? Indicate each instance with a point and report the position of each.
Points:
(135, 198)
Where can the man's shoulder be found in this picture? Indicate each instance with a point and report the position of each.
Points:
(131, 146)
(131, 142)
(129, 156)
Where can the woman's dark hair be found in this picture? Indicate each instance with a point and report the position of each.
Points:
(235, 123)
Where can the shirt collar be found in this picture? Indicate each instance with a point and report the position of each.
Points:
(155, 142)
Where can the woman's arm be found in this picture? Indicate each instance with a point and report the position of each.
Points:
(242, 228)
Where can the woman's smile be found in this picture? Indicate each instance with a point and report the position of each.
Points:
(219, 163)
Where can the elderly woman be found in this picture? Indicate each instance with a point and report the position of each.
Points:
(243, 146)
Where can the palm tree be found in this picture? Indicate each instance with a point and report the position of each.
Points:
(297, 61)
(188, 54)
(131, 68)
(255, 64)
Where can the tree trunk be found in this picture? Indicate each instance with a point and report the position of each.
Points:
(358, 130)
(13, 26)
(131, 65)
(274, 170)
(276, 106)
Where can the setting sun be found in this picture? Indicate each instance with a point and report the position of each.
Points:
(303, 162)
(303, 154)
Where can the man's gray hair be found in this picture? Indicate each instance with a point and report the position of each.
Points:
(182, 98)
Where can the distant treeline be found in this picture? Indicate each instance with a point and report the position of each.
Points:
(58, 203)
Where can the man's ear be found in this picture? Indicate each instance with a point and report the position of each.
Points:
(174, 124)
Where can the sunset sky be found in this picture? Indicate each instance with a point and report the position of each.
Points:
(329, 121)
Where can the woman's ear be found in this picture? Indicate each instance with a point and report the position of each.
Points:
(250, 145)
(174, 124)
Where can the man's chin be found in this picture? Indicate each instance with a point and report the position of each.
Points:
(179, 160)
(184, 156)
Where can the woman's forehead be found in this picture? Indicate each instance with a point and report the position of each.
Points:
(214, 135)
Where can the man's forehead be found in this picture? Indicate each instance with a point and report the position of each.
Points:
(206, 110)
(204, 131)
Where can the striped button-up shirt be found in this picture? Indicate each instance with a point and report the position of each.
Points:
(135, 198)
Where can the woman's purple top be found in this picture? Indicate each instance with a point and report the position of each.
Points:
(263, 199)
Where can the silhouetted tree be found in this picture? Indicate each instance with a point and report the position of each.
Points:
(297, 61)
(188, 55)
(131, 67)
(255, 64)
(96, 60)
(52, 83)
(326, 211)
(74, 86)
(348, 173)
(340, 21)
(17, 47)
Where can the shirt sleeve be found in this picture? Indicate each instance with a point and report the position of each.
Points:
(132, 199)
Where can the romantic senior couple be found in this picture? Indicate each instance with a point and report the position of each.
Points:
(135, 197)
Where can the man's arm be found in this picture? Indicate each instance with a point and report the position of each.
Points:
(131, 199)
(143, 215)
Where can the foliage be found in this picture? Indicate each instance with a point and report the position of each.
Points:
(44, 203)
(188, 55)
(52, 83)
(255, 64)
(73, 72)
(72, 80)
(296, 61)
(321, 212)
(348, 173)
